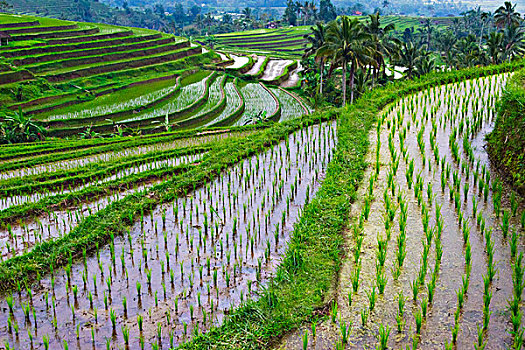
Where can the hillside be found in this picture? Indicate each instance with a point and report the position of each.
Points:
(73, 77)
(87, 11)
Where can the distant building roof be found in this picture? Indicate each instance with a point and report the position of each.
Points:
(4, 35)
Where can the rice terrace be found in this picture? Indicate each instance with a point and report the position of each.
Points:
(282, 175)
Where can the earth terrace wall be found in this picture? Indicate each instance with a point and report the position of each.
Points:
(19, 24)
(16, 76)
(49, 35)
(80, 46)
(81, 39)
(80, 61)
(39, 29)
(314, 254)
(124, 65)
(52, 56)
(200, 119)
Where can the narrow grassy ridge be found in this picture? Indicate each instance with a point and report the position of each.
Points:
(507, 140)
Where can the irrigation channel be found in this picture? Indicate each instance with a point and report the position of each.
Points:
(181, 268)
(434, 252)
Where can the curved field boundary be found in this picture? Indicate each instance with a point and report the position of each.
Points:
(84, 121)
(298, 99)
(245, 67)
(84, 72)
(173, 117)
(49, 35)
(80, 61)
(276, 69)
(314, 254)
(233, 117)
(19, 24)
(202, 118)
(258, 70)
(86, 45)
(284, 75)
(39, 29)
(56, 56)
(84, 39)
(276, 115)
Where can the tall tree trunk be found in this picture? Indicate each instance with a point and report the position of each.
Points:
(344, 83)
(352, 76)
(322, 74)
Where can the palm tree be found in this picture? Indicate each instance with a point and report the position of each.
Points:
(316, 41)
(382, 46)
(427, 30)
(495, 46)
(513, 42)
(409, 55)
(247, 13)
(485, 16)
(347, 44)
(506, 15)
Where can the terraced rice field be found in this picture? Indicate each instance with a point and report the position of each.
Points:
(436, 249)
(115, 80)
(178, 269)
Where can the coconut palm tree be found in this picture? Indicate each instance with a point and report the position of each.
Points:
(506, 15)
(409, 55)
(494, 47)
(513, 42)
(383, 45)
(485, 17)
(247, 13)
(347, 43)
(316, 40)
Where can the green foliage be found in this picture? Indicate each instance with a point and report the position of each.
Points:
(507, 140)
(16, 128)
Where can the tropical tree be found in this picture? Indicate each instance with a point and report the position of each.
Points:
(408, 56)
(513, 42)
(494, 47)
(347, 43)
(247, 13)
(506, 15)
(382, 45)
(316, 40)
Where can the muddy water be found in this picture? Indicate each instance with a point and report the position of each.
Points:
(448, 107)
(195, 258)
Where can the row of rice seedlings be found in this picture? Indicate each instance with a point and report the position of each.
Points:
(257, 101)
(216, 94)
(116, 155)
(124, 105)
(290, 107)
(181, 267)
(22, 237)
(36, 195)
(233, 102)
(187, 95)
